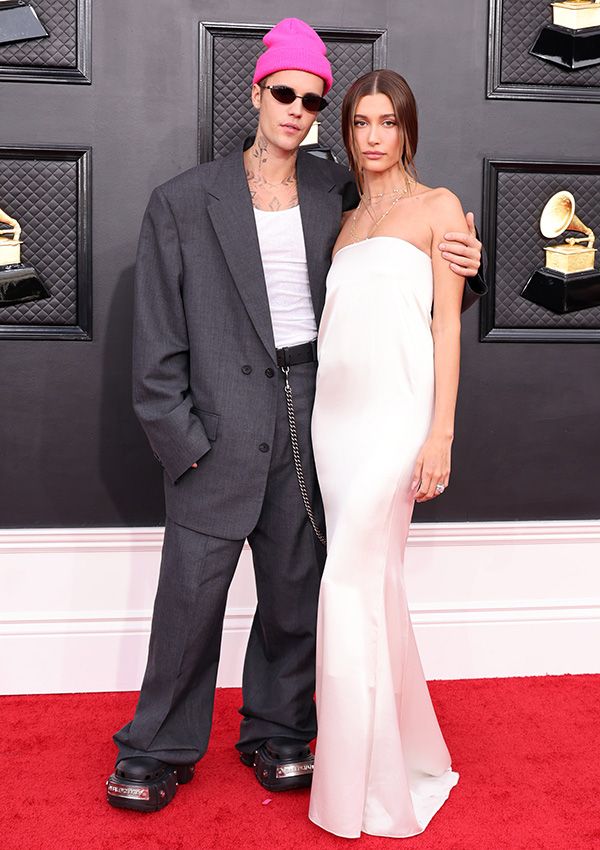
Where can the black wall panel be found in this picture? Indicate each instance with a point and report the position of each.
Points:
(515, 73)
(49, 190)
(72, 452)
(515, 195)
(227, 59)
(63, 56)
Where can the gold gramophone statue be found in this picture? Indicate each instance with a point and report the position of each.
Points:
(569, 281)
(312, 145)
(572, 40)
(19, 282)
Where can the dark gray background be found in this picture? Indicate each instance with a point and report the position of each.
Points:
(527, 443)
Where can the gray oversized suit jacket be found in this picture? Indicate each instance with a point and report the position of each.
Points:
(201, 313)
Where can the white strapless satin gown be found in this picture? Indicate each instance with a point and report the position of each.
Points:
(381, 763)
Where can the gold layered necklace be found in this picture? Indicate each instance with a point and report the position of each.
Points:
(398, 193)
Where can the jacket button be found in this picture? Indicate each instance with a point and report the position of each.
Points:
(264, 447)
(246, 369)
(269, 372)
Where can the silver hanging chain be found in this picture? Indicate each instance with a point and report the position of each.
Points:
(297, 462)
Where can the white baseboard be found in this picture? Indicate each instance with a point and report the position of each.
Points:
(486, 599)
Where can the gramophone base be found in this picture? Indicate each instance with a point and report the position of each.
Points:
(570, 49)
(563, 293)
(319, 151)
(19, 284)
(19, 22)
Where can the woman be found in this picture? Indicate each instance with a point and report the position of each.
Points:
(382, 429)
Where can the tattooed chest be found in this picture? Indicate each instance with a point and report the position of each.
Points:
(269, 197)
(264, 199)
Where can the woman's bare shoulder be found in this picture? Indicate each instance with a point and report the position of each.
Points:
(442, 198)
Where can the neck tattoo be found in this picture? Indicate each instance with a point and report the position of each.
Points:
(265, 194)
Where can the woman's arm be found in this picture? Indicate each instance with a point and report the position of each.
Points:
(433, 463)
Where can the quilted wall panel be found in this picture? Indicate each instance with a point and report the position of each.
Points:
(46, 196)
(63, 56)
(514, 72)
(518, 244)
(229, 67)
(521, 22)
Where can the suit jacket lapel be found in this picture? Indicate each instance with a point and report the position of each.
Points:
(232, 215)
(321, 213)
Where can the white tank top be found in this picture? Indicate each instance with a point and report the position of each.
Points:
(283, 256)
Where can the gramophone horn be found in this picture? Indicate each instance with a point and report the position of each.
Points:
(559, 215)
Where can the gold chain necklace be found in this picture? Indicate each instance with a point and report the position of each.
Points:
(380, 195)
(399, 193)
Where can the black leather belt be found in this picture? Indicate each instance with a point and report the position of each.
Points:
(293, 355)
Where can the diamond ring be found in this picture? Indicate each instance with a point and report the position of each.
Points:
(439, 488)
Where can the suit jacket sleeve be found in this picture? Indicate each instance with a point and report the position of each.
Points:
(161, 396)
(475, 286)
(350, 194)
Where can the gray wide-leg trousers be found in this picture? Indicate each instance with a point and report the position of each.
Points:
(174, 712)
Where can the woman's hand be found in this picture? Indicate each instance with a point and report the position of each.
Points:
(432, 467)
(463, 250)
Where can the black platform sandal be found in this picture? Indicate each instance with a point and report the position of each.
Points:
(281, 764)
(146, 784)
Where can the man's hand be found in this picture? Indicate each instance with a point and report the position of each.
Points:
(463, 250)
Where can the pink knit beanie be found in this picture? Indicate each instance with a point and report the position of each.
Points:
(294, 46)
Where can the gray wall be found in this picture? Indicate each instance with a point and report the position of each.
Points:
(72, 452)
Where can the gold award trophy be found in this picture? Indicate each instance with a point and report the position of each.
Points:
(312, 145)
(19, 282)
(572, 40)
(569, 280)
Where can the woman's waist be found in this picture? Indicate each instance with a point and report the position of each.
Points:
(352, 374)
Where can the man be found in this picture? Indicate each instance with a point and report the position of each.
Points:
(230, 285)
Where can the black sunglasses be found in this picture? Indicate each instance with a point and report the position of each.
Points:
(285, 94)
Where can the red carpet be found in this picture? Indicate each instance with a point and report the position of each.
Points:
(528, 751)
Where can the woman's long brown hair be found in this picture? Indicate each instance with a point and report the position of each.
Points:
(403, 101)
